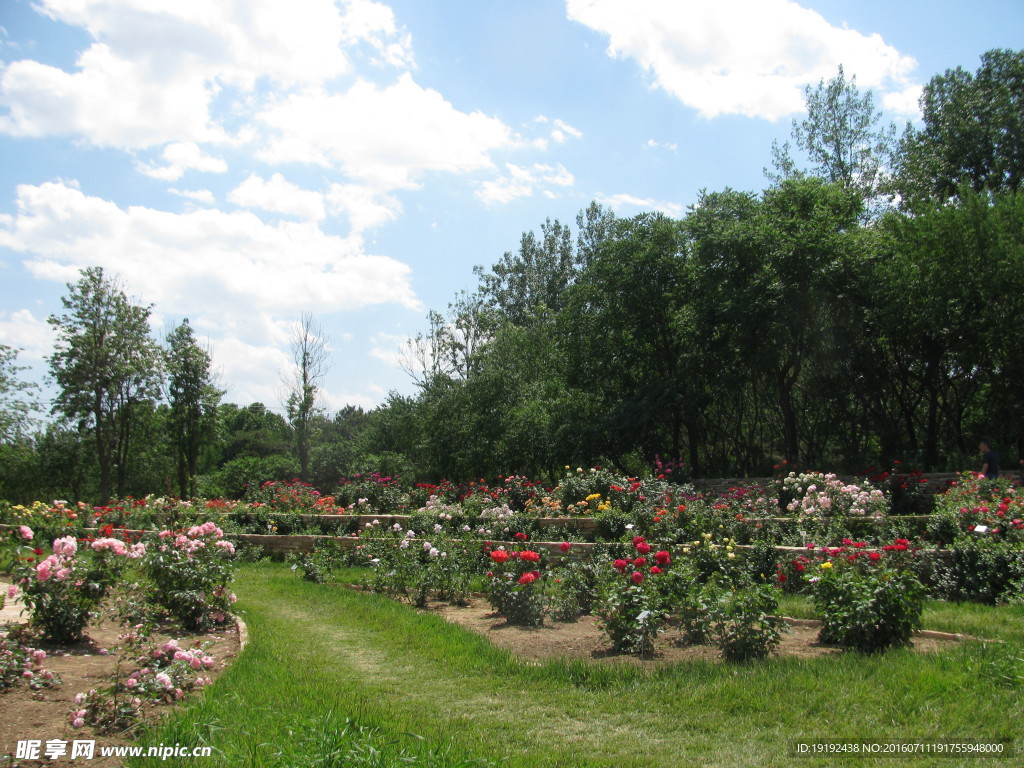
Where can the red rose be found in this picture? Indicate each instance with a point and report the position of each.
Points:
(528, 578)
(620, 564)
(637, 540)
(521, 536)
(637, 577)
(655, 569)
(662, 558)
(643, 548)
(639, 562)
(875, 556)
(529, 556)
(499, 556)
(564, 546)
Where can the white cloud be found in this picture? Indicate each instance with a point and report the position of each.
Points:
(671, 146)
(279, 196)
(905, 102)
(523, 182)
(180, 157)
(255, 370)
(110, 101)
(746, 57)
(205, 260)
(385, 137)
(365, 207)
(22, 330)
(155, 69)
(623, 200)
(390, 348)
(203, 196)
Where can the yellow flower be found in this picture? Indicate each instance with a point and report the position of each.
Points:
(826, 566)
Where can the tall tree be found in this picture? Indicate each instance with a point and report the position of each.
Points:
(105, 364)
(843, 138)
(973, 134)
(193, 400)
(16, 397)
(311, 358)
(534, 276)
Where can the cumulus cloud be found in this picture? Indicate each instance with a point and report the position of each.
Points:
(180, 157)
(905, 103)
(155, 70)
(23, 330)
(523, 182)
(203, 196)
(745, 57)
(623, 200)
(279, 196)
(364, 206)
(203, 260)
(385, 137)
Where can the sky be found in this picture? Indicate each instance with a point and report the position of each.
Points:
(242, 162)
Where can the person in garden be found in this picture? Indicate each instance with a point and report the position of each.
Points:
(989, 460)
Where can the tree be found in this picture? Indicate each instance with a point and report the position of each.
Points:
(105, 364)
(193, 400)
(536, 275)
(842, 138)
(16, 400)
(310, 354)
(973, 134)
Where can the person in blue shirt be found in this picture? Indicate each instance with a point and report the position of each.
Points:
(989, 460)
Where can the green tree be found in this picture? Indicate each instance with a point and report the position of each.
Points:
(105, 365)
(842, 137)
(535, 275)
(622, 340)
(311, 358)
(193, 400)
(973, 133)
(17, 399)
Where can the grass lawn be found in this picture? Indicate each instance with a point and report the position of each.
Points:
(335, 677)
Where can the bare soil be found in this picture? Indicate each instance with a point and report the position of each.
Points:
(583, 639)
(92, 663)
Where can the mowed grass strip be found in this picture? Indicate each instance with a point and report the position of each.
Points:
(334, 676)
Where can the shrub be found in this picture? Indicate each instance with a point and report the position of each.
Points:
(866, 604)
(190, 571)
(515, 586)
(63, 590)
(23, 665)
(744, 624)
(632, 606)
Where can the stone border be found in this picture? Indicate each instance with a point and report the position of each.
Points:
(930, 634)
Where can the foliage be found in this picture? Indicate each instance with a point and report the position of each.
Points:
(515, 586)
(21, 664)
(311, 363)
(866, 603)
(63, 590)
(190, 571)
(165, 674)
(631, 605)
(16, 398)
(193, 401)
(744, 623)
(106, 366)
(972, 132)
(840, 137)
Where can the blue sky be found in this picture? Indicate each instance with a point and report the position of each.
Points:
(241, 163)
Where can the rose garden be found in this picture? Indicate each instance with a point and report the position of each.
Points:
(692, 593)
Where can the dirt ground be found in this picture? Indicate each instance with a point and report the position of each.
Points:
(583, 639)
(92, 663)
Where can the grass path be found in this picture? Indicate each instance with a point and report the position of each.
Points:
(321, 654)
